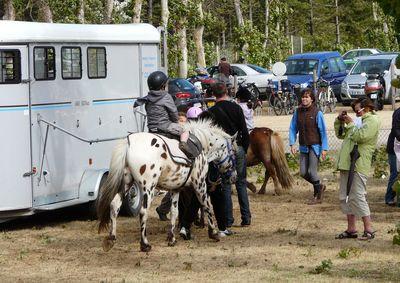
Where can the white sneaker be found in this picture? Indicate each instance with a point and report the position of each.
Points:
(226, 232)
(185, 234)
(221, 234)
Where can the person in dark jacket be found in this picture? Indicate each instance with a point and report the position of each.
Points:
(309, 123)
(162, 114)
(225, 70)
(394, 133)
(229, 116)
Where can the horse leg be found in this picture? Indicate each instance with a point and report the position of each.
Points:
(174, 214)
(264, 185)
(109, 241)
(277, 186)
(204, 199)
(143, 215)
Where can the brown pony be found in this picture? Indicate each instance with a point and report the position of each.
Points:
(266, 146)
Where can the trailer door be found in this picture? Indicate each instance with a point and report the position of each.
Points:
(15, 147)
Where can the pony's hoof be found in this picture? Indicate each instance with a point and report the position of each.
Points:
(108, 243)
(251, 187)
(172, 243)
(145, 248)
(213, 235)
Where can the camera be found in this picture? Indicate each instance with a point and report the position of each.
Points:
(342, 115)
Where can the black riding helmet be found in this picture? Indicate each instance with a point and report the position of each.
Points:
(157, 80)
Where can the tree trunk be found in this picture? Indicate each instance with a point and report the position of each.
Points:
(337, 23)
(251, 12)
(45, 14)
(164, 24)
(374, 13)
(81, 12)
(137, 10)
(182, 45)
(311, 18)
(164, 14)
(198, 37)
(150, 11)
(266, 22)
(9, 11)
(108, 8)
(239, 14)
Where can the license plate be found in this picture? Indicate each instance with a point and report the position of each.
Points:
(356, 92)
(210, 103)
(374, 95)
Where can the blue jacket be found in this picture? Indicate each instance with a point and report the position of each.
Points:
(293, 130)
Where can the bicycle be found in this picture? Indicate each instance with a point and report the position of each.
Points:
(326, 97)
(284, 100)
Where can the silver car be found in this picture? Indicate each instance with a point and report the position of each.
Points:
(353, 85)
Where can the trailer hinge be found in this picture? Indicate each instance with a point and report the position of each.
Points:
(30, 173)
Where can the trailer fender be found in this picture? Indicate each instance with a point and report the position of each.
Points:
(90, 183)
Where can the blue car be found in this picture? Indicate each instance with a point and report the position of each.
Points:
(330, 66)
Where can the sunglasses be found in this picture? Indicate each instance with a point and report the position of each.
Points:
(359, 111)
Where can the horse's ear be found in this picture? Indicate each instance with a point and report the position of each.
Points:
(234, 137)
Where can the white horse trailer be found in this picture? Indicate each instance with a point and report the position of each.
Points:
(66, 95)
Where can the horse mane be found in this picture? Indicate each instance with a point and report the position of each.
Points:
(205, 125)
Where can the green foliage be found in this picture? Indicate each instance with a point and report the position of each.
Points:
(397, 63)
(325, 267)
(396, 238)
(380, 163)
(348, 252)
(293, 161)
(396, 82)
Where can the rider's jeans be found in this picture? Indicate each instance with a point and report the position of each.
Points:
(241, 188)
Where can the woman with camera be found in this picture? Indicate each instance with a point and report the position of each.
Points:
(309, 123)
(364, 136)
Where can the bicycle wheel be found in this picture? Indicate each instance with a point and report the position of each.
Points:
(332, 100)
(322, 101)
(277, 106)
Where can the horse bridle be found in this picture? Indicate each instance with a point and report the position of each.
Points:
(230, 156)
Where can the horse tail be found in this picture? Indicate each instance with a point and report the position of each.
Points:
(279, 159)
(113, 185)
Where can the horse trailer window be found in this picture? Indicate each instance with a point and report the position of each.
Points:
(71, 63)
(10, 66)
(97, 63)
(45, 67)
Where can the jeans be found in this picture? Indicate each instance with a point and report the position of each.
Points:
(241, 189)
(390, 194)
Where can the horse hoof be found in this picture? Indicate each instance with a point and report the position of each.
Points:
(172, 243)
(261, 192)
(145, 248)
(213, 235)
(108, 243)
(252, 188)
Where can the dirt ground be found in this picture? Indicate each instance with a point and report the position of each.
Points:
(287, 241)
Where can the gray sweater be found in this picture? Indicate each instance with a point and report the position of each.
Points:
(160, 108)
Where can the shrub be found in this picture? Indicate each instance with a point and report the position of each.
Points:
(380, 163)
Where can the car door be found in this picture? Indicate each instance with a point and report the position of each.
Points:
(240, 73)
(337, 73)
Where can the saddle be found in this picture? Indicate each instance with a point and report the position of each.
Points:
(177, 155)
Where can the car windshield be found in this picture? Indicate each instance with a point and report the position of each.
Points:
(259, 69)
(300, 66)
(371, 66)
(183, 84)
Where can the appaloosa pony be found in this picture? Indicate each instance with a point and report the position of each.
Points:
(147, 159)
(266, 146)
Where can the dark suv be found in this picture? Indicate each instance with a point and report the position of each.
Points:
(329, 64)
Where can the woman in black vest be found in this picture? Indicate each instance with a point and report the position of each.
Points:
(309, 123)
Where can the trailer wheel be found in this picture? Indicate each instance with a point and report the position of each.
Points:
(133, 201)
